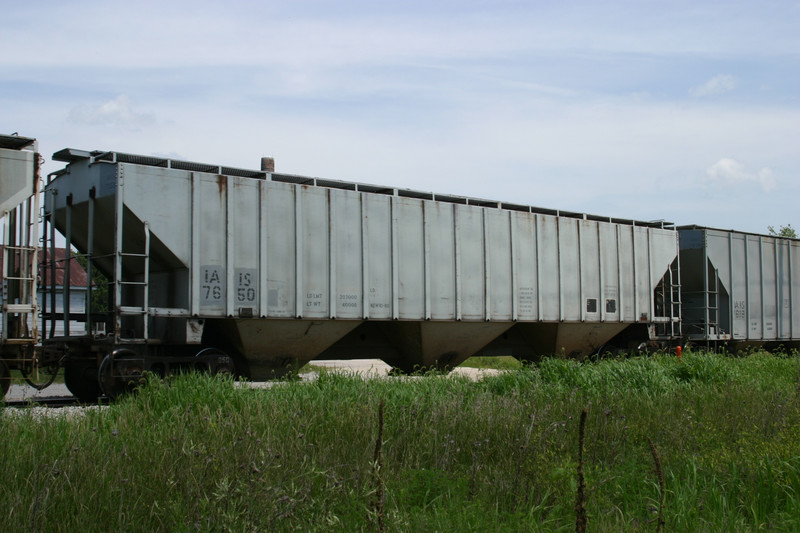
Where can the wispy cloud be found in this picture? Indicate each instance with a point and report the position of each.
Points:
(311, 34)
(118, 111)
(717, 85)
(731, 172)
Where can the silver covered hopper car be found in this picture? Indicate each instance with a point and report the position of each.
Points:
(256, 273)
(742, 289)
(19, 204)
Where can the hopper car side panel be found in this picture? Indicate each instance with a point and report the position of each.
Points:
(452, 261)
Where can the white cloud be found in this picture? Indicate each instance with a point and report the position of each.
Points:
(731, 172)
(717, 85)
(118, 112)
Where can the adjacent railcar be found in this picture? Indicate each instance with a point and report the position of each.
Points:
(19, 182)
(257, 273)
(741, 289)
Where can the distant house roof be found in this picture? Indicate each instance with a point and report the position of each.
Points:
(77, 275)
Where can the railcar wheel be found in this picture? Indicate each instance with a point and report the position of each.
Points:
(120, 372)
(80, 377)
(603, 352)
(5, 379)
(216, 361)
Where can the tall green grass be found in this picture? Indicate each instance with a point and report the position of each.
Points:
(201, 454)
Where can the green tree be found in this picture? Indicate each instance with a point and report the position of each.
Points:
(783, 231)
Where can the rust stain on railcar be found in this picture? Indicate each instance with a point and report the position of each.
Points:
(222, 183)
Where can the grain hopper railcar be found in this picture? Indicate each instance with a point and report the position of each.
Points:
(19, 205)
(257, 273)
(740, 289)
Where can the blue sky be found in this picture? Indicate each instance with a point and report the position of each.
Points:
(684, 111)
